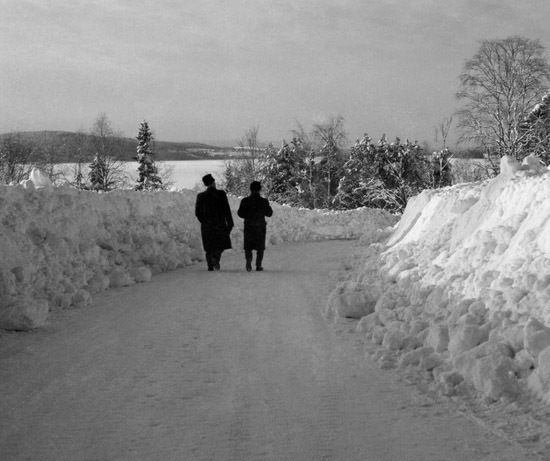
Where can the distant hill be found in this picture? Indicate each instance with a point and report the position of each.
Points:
(65, 146)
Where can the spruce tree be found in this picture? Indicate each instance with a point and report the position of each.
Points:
(99, 175)
(535, 131)
(148, 172)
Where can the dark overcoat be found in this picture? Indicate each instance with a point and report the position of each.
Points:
(253, 209)
(213, 212)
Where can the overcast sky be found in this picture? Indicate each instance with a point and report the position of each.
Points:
(207, 70)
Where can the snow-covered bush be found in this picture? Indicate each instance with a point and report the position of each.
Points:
(535, 130)
(286, 173)
(383, 175)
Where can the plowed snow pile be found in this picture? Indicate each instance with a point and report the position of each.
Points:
(461, 288)
(60, 245)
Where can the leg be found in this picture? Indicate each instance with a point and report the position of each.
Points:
(217, 257)
(248, 257)
(210, 261)
(259, 259)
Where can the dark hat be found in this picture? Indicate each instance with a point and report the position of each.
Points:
(208, 179)
(255, 186)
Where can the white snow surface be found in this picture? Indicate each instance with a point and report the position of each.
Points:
(60, 245)
(486, 241)
(462, 286)
(459, 286)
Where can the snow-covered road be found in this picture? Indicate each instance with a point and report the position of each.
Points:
(229, 365)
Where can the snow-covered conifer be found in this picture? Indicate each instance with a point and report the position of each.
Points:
(535, 131)
(99, 174)
(148, 172)
(382, 175)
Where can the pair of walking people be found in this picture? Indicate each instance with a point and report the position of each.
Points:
(214, 214)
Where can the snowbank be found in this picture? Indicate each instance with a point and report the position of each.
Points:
(59, 246)
(462, 286)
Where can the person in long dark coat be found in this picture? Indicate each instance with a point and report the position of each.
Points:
(253, 209)
(213, 212)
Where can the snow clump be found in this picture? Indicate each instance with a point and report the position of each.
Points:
(60, 246)
(461, 288)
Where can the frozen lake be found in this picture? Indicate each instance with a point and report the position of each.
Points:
(185, 173)
(188, 173)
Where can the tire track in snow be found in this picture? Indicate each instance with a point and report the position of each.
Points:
(228, 365)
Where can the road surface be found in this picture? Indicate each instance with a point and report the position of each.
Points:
(228, 365)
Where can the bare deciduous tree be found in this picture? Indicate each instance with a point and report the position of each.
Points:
(15, 159)
(332, 137)
(79, 150)
(239, 173)
(499, 86)
(107, 172)
(301, 134)
(442, 130)
(250, 145)
(332, 130)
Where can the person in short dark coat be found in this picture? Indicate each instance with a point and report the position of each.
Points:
(253, 209)
(213, 212)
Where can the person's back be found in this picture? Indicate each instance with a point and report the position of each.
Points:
(253, 209)
(211, 206)
(213, 212)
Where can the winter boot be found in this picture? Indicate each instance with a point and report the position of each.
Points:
(259, 259)
(248, 256)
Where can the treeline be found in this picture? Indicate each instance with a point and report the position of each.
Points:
(96, 158)
(505, 111)
(380, 174)
(66, 146)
